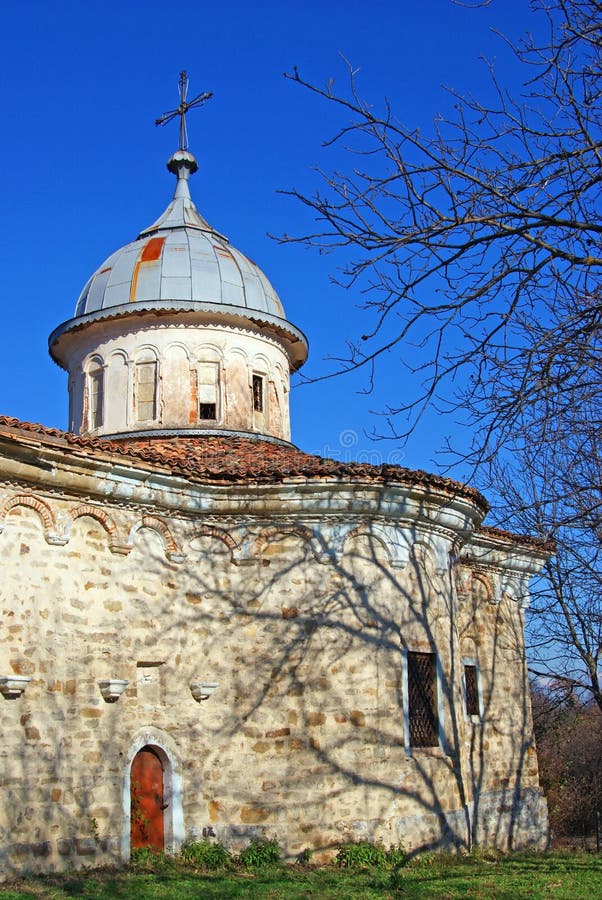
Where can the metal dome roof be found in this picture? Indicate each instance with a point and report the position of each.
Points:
(181, 259)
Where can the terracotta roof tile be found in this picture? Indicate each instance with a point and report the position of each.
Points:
(546, 546)
(218, 459)
(229, 459)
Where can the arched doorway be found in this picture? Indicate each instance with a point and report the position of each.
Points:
(147, 802)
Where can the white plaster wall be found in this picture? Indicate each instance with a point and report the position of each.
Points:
(179, 349)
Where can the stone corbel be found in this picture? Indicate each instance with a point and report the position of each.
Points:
(439, 547)
(328, 544)
(517, 588)
(55, 539)
(122, 548)
(243, 554)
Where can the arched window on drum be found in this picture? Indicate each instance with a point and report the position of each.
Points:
(95, 377)
(145, 388)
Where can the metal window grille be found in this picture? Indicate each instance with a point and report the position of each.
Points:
(422, 697)
(472, 690)
(257, 393)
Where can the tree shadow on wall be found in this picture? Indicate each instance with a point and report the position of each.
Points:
(307, 736)
(310, 721)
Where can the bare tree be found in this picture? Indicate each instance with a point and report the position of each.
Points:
(551, 485)
(478, 242)
(569, 749)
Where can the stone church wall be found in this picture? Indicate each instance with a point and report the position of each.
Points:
(304, 738)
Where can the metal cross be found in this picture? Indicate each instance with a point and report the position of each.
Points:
(183, 109)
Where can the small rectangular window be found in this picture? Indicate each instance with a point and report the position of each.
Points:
(95, 388)
(149, 682)
(258, 393)
(471, 688)
(207, 412)
(208, 387)
(422, 700)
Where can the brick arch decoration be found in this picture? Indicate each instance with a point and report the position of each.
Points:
(487, 589)
(302, 531)
(218, 534)
(364, 531)
(172, 551)
(42, 509)
(115, 544)
(422, 548)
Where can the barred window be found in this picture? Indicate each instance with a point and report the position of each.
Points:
(422, 700)
(471, 687)
(258, 393)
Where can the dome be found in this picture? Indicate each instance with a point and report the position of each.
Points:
(179, 262)
(179, 331)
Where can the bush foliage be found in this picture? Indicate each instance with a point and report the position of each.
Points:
(366, 855)
(260, 853)
(206, 855)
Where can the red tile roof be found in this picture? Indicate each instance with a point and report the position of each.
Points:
(229, 459)
(219, 459)
(537, 543)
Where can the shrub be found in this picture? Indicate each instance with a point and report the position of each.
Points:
(205, 855)
(397, 857)
(361, 855)
(260, 852)
(144, 859)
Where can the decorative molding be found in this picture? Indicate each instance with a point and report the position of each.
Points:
(286, 528)
(94, 512)
(44, 512)
(172, 551)
(219, 534)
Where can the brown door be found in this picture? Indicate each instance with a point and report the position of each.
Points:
(146, 793)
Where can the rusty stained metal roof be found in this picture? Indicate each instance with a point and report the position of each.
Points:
(180, 257)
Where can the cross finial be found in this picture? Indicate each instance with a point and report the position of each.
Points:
(183, 109)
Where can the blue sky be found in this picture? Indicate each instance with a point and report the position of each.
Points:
(83, 167)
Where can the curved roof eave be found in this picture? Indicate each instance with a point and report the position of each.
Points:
(293, 336)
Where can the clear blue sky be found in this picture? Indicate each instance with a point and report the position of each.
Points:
(83, 167)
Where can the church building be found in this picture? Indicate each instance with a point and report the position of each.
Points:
(206, 631)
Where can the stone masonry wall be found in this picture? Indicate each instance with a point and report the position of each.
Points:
(303, 738)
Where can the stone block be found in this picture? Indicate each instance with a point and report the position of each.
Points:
(252, 815)
(357, 718)
(85, 846)
(278, 732)
(19, 852)
(314, 719)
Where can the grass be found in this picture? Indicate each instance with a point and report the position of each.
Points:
(553, 876)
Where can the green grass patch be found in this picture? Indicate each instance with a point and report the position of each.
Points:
(551, 876)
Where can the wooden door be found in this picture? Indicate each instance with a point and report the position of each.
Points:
(146, 794)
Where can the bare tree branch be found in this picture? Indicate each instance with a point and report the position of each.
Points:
(479, 243)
